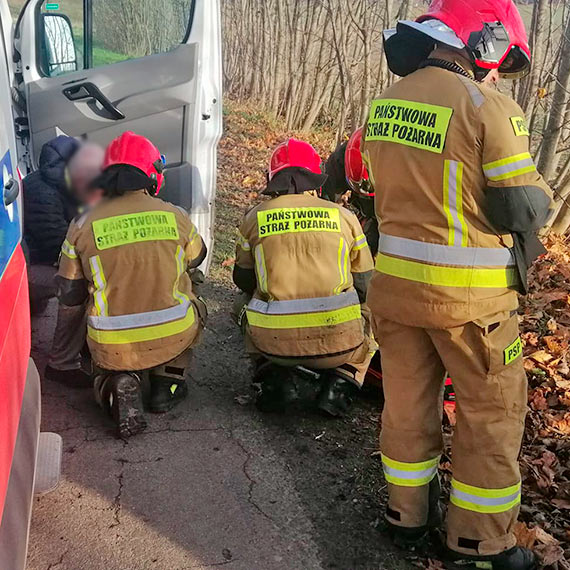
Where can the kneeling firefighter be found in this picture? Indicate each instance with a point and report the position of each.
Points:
(127, 260)
(305, 265)
(458, 216)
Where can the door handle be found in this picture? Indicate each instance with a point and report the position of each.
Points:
(89, 90)
(11, 191)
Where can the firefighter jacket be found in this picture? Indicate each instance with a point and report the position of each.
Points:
(132, 252)
(457, 182)
(305, 252)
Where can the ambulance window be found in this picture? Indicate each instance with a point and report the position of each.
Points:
(61, 40)
(126, 29)
(83, 34)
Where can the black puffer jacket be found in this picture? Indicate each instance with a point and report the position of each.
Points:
(49, 207)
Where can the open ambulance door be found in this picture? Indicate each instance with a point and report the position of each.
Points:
(96, 68)
(19, 380)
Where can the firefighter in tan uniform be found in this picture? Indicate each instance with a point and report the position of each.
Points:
(128, 259)
(458, 218)
(306, 264)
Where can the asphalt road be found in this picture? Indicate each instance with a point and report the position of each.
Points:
(214, 483)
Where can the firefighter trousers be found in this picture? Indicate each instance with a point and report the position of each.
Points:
(486, 366)
(353, 366)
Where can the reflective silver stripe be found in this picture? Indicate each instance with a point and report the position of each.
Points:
(302, 306)
(139, 320)
(81, 221)
(454, 189)
(485, 501)
(445, 254)
(411, 475)
(474, 92)
(260, 265)
(69, 250)
(243, 243)
(509, 168)
(360, 242)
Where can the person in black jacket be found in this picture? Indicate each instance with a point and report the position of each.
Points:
(52, 197)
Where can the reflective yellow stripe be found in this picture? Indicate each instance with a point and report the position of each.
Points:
(343, 256)
(360, 243)
(446, 208)
(410, 466)
(507, 161)
(482, 492)
(409, 474)
(485, 509)
(144, 334)
(420, 482)
(99, 295)
(243, 243)
(446, 276)
(509, 167)
(464, 230)
(180, 268)
(261, 269)
(453, 203)
(481, 500)
(68, 250)
(308, 320)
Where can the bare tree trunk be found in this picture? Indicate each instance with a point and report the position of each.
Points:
(529, 87)
(548, 158)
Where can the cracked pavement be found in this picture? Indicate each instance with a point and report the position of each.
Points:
(214, 483)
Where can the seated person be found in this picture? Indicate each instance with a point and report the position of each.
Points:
(52, 197)
(128, 257)
(305, 264)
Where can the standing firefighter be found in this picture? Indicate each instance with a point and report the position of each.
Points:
(459, 213)
(127, 258)
(306, 264)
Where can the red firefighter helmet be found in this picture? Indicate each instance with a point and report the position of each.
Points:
(492, 32)
(131, 149)
(295, 153)
(356, 172)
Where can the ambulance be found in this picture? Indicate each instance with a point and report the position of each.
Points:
(90, 69)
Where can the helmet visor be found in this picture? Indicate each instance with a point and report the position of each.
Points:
(493, 49)
(516, 64)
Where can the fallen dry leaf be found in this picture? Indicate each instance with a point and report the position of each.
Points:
(541, 356)
(561, 504)
(549, 554)
(526, 537)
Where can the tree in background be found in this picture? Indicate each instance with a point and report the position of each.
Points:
(310, 61)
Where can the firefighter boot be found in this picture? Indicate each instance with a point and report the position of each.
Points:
(122, 396)
(165, 393)
(414, 538)
(278, 389)
(516, 558)
(336, 395)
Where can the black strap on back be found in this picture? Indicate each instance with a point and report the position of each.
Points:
(444, 64)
